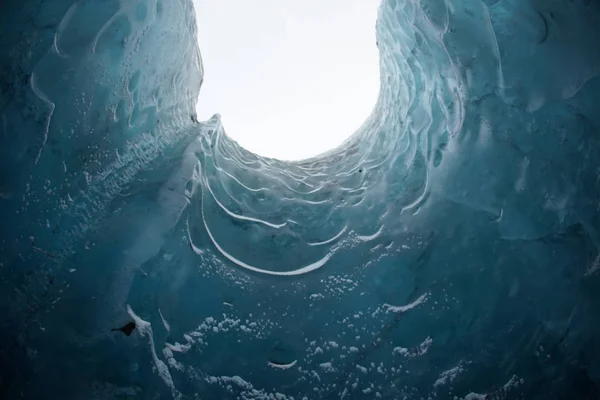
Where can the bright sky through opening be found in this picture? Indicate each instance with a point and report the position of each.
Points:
(291, 78)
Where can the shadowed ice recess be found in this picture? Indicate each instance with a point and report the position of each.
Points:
(448, 250)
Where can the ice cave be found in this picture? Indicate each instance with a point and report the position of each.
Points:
(448, 250)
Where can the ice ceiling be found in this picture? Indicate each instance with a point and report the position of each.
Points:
(448, 250)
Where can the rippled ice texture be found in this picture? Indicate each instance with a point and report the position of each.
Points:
(448, 250)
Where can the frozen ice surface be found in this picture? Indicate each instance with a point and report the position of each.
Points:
(449, 249)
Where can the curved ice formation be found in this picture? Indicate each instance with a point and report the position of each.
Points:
(449, 249)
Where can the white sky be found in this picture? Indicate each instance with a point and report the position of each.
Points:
(290, 78)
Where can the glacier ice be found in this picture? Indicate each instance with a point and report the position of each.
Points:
(449, 249)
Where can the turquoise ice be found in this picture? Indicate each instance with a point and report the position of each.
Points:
(449, 249)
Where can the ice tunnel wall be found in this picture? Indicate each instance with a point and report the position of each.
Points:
(449, 248)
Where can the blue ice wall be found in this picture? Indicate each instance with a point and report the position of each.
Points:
(449, 249)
